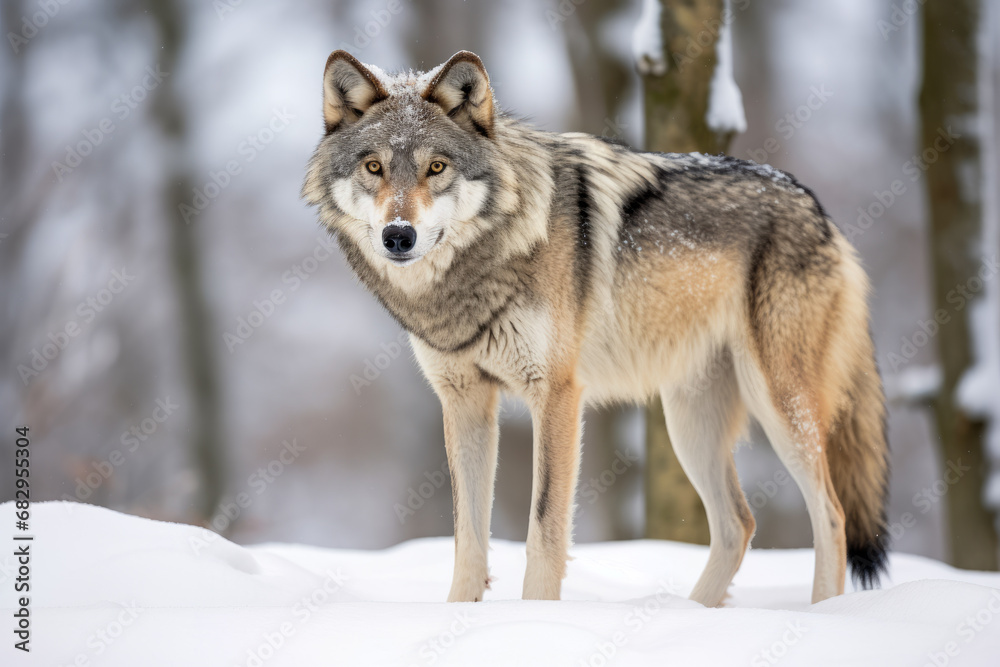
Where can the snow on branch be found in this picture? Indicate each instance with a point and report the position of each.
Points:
(647, 41)
(725, 102)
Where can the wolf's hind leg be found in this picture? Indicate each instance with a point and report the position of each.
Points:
(791, 419)
(704, 419)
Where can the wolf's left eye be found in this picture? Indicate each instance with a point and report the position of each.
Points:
(374, 166)
(436, 167)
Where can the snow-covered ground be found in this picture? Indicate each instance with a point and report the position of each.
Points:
(112, 589)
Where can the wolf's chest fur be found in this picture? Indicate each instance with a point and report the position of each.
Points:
(454, 313)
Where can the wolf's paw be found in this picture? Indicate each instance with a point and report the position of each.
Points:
(468, 589)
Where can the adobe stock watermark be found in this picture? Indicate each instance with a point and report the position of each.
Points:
(257, 483)
(791, 122)
(638, 617)
(900, 15)
(708, 375)
(779, 648)
(926, 330)
(264, 308)
(595, 486)
(364, 34)
(131, 441)
(381, 361)
(416, 497)
(718, 367)
(247, 150)
(224, 8)
(927, 497)
(768, 489)
(967, 630)
(563, 10)
(435, 647)
(913, 169)
(105, 636)
(32, 23)
(87, 311)
(8, 569)
(121, 108)
(303, 611)
(924, 500)
(614, 129)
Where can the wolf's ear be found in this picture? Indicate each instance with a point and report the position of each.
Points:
(462, 88)
(349, 89)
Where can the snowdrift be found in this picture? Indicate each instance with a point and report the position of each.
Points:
(112, 589)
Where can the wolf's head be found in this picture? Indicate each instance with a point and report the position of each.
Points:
(407, 161)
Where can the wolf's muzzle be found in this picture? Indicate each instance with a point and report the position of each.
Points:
(398, 240)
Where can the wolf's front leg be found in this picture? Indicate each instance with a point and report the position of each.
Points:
(555, 413)
(471, 433)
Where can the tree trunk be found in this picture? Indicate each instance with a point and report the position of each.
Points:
(949, 107)
(199, 369)
(433, 25)
(600, 74)
(676, 104)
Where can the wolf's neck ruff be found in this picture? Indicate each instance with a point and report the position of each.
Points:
(454, 312)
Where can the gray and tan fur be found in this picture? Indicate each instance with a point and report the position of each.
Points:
(569, 270)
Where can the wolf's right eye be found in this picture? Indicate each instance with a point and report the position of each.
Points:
(374, 166)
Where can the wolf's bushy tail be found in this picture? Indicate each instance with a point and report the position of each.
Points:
(858, 455)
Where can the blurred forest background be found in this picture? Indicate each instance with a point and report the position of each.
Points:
(185, 343)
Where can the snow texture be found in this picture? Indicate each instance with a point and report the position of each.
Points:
(112, 589)
(725, 102)
(403, 82)
(647, 41)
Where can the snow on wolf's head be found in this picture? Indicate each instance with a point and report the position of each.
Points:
(406, 158)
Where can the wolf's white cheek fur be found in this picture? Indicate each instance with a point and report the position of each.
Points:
(471, 198)
(358, 205)
(440, 215)
(465, 206)
(357, 224)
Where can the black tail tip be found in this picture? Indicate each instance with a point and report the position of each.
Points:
(868, 561)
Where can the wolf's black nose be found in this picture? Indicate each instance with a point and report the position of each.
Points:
(398, 239)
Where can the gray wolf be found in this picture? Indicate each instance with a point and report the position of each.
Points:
(572, 270)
